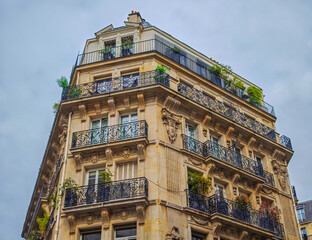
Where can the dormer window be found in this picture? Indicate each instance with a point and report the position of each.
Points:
(127, 46)
(109, 50)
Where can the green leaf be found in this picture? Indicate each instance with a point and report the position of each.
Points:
(62, 82)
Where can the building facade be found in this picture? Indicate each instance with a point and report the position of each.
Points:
(154, 140)
(304, 214)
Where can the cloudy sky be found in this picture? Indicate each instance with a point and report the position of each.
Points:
(267, 42)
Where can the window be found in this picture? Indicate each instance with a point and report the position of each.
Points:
(131, 80)
(129, 128)
(110, 49)
(125, 234)
(304, 234)
(259, 167)
(198, 236)
(127, 170)
(214, 146)
(301, 214)
(201, 70)
(192, 144)
(220, 190)
(99, 131)
(92, 181)
(91, 236)
(189, 130)
(237, 155)
(127, 46)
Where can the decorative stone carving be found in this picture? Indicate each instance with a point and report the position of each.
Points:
(62, 139)
(172, 104)
(105, 218)
(90, 219)
(111, 106)
(194, 161)
(126, 102)
(172, 122)
(205, 132)
(141, 152)
(174, 234)
(206, 120)
(235, 191)
(258, 188)
(210, 168)
(78, 159)
(200, 221)
(229, 132)
(243, 235)
(95, 157)
(216, 226)
(97, 107)
(83, 112)
(281, 171)
(141, 102)
(72, 223)
(235, 178)
(140, 214)
(125, 153)
(109, 156)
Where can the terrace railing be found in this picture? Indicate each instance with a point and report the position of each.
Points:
(187, 61)
(224, 154)
(116, 84)
(226, 111)
(120, 132)
(216, 204)
(99, 193)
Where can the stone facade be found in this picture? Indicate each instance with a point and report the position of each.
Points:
(123, 115)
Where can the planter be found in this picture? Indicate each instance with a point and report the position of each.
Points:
(107, 56)
(161, 77)
(126, 52)
(70, 198)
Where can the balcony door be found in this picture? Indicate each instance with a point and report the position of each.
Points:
(237, 157)
(190, 132)
(259, 167)
(129, 126)
(126, 186)
(220, 199)
(99, 131)
(93, 181)
(214, 147)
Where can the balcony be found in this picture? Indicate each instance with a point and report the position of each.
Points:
(186, 60)
(116, 84)
(221, 206)
(105, 135)
(128, 189)
(227, 155)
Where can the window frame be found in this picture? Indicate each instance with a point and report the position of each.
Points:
(128, 237)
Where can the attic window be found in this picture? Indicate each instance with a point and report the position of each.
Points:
(110, 44)
(127, 39)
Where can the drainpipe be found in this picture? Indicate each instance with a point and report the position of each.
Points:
(62, 179)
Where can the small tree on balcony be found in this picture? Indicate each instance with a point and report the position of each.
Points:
(198, 183)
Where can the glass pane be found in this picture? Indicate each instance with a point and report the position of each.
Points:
(96, 124)
(126, 232)
(91, 236)
(91, 179)
(134, 117)
(104, 122)
(124, 119)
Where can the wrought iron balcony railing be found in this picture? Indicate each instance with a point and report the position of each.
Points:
(42, 194)
(285, 141)
(57, 167)
(226, 111)
(220, 205)
(186, 60)
(120, 132)
(227, 155)
(99, 193)
(116, 84)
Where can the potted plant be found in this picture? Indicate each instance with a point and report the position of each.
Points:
(126, 48)
(242, 208)
(104, 185)
(161, 76)
(70, 189)
(107, 53)
(43, 222)
(255, 95)
(199, 186)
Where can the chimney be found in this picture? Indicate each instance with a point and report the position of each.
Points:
(135, 17)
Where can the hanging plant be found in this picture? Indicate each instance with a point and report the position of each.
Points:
(198, 183)
(255, 95)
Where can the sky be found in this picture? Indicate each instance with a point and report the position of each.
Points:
(267, 42)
